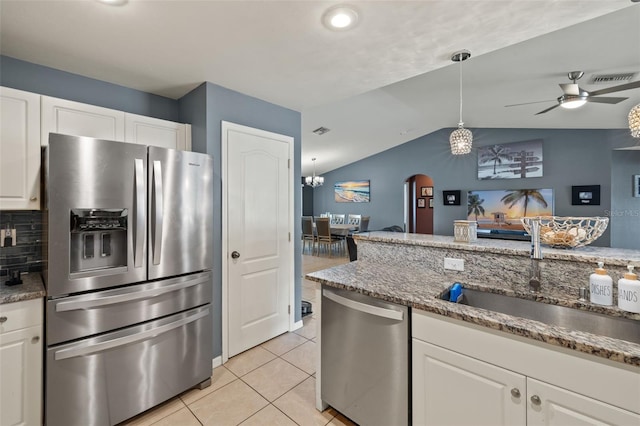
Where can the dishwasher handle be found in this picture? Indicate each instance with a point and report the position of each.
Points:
(364, 307)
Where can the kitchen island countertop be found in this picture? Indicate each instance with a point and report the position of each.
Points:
(420, 288)
(31, 288)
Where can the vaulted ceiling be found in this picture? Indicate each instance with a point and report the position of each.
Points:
(387, 81)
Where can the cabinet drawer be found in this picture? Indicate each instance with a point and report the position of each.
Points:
(17, 315)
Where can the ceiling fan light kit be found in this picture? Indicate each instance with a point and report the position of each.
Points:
(461, 139)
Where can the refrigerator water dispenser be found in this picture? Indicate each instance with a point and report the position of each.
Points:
(98, 239)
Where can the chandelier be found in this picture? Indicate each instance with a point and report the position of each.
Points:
(461, 138)
(314, 180)
(634, 121)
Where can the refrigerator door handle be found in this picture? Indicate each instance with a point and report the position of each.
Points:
(140, 213)
(126, 340)
(157, 215)
(76, 305)
(364, 307)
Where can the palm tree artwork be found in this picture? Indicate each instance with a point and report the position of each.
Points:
(474, 205)
(495, 154)
(524, 196)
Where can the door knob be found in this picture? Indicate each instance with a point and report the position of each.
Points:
(235, 254)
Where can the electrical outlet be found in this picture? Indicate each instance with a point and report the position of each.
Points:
(454, 264)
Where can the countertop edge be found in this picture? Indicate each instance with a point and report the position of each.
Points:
(32, 287)
(553, 335)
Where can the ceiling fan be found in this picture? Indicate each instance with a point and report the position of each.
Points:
(573, 96)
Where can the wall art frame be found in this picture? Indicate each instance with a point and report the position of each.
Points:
(422, 203)
(585, 195)
(451, 198)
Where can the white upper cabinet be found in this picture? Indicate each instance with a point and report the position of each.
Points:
(19, 150)
(78, 119)
(153, 131)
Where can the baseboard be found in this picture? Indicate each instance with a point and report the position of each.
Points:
(297, 325)
(216, 362)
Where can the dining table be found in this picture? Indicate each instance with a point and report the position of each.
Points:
(342, 229)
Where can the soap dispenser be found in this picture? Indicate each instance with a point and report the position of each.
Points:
(601, 286)
(629, 292)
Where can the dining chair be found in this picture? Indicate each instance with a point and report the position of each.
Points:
(324, 237)
(308, 235)
(364, 224)
(354, 219)
(337, 219)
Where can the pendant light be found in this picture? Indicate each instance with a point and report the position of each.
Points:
(314, 180)
(634, 121)
(461, 138)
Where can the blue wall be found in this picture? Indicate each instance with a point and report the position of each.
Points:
(34, 78)
(204, 108)
(571, 157)
(219, 104)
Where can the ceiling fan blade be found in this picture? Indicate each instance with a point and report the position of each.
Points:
(570, 89)
(529, 103)
(548, 109)
(605, 99)
(620, 88)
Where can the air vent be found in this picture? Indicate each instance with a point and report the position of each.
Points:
(612, 78)
(321, 131)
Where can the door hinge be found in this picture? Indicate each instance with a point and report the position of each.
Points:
(289, 309)
(289, 236)
(288, 163)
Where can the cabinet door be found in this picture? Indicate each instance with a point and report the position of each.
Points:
(453, 389)
(19, 150)
(551, 405)
(21, 372)
(77, 119)
(155, 132)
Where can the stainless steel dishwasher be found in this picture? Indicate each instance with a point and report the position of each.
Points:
(365, 358)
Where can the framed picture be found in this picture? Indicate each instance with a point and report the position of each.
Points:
(430, 203)
(514, 160)
(451, 198)
(353, 191)
(422, 203)
(636, 185)
(586, 195)
(426, 191)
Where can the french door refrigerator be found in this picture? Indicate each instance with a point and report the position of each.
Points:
(129, 284)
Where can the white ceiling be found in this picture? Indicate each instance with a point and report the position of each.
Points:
(387, 81)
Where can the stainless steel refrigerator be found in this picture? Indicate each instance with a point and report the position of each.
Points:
(129, 284)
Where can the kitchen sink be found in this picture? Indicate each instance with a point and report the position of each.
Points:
(570, 318)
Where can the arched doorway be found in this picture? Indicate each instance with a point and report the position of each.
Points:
(419, 195)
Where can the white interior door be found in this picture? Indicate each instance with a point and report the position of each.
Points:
(257, 247)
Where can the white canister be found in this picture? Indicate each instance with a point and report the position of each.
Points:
(465, 231)
(629, 292)
(601, 286)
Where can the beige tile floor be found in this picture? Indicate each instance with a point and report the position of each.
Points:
(271, 384)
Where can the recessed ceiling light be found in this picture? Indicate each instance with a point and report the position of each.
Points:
(340, 18)
(113, 2)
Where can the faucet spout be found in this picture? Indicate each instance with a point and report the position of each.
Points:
(536, 256)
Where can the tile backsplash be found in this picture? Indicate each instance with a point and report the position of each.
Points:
(27, 254)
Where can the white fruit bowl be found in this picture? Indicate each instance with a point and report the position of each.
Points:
(568, 232)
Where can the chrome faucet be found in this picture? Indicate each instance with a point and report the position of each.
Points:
(536, 256)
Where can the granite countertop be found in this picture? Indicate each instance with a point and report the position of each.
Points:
(420, 289)
(31, 288)
(588, 254)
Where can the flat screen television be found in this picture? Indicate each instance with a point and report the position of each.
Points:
(498, 212)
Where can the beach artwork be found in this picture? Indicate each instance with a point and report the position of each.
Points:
(510, 160)
(502, 209)
(353, 191)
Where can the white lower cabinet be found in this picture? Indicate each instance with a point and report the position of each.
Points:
(21, 363)
(467, 375)
(551, 405)
(453, 389)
